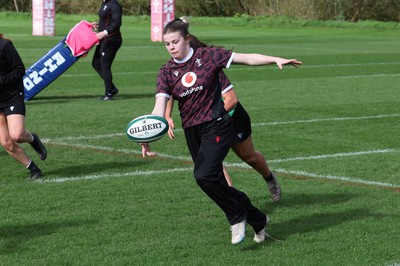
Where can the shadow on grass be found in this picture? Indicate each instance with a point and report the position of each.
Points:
(14, 236)
(68, 98)
(94, 168)
(308, 199)
(320, 221)
(314, 223)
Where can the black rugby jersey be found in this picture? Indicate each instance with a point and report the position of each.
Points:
(12, 71)
(195, 84)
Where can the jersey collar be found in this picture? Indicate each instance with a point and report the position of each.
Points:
(189, 55)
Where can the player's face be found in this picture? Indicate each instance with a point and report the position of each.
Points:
(177, 46)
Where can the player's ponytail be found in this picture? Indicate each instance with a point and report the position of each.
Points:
(194, 41)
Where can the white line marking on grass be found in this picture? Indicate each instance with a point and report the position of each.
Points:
(352, 65)
(187, 158)
(324, 49)
(369, 75)
(339, 178)
(331, 155)
(92, 137)
(254, 125)
(323, 156)
(322, 176)
(127, 151)
(326, 120)
(91, 177)
(136, 173)
(318, 120)
(85, 146)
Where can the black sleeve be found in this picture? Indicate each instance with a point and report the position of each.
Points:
(15, 62)
(116, 18)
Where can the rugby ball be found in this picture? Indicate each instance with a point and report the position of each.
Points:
(147, 128)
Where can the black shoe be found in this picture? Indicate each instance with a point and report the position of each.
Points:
(111, 93)
(39, 147)
(114, 92)
(34, 175)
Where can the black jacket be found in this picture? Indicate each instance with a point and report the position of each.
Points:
(12, 71)
(110, 18)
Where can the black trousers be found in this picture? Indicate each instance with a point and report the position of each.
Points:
(209, 143)
(103, 58)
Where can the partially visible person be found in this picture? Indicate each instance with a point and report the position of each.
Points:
(244, 148)
(191, 77)
(12, 110)
(109, 34)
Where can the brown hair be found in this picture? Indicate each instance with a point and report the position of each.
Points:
(3, 37)
(182, 26)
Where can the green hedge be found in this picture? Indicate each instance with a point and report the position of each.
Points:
(350, 10)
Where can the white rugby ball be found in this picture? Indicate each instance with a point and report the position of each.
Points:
(147, 128)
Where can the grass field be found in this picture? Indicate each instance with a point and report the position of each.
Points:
(329, 129)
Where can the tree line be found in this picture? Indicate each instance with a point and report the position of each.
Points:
(347, 10)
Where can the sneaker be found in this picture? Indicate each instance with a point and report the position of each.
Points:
(260, 236)
(274, 188)
(35, 175)
(39, 147)
(114, 91)
(110, 94)
(105, 98)
(238, 232)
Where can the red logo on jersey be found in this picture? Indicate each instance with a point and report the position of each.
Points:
(217, 139)
(189, 79)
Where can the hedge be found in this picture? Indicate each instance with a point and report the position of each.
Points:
(349, 10)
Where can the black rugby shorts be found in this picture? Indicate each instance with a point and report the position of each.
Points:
(241, 124)
(15, 107)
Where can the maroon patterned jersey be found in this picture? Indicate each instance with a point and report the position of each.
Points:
(195, 83)
(225, 82)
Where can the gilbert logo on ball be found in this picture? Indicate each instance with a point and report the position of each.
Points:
(147, 128)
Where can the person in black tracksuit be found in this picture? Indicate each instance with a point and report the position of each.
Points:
(12, 110)
(191, 77)
(109, 34)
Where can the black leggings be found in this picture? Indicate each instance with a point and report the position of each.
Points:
(103, 58)
(209, 143)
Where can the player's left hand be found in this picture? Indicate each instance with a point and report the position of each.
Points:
(171, 127)
(281, 62)
(146, 150)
